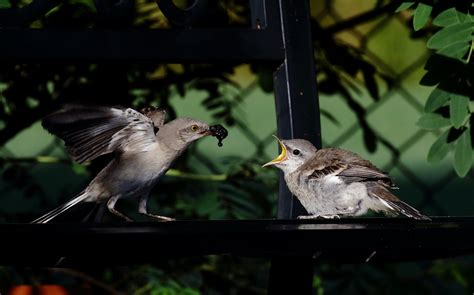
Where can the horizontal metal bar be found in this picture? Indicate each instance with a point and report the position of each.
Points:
(344, 240)
(174, 45)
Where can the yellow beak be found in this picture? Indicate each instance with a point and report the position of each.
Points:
(281, 157)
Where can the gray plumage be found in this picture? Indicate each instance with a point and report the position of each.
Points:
(143, 147)
(335, 182)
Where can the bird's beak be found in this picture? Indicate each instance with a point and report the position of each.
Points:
(281, 157)
(206, 132)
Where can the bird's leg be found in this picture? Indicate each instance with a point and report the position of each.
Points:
(320, 216)
(142, 208)
(111, 206)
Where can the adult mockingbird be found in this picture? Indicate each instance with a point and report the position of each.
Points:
(333, 182)
(144, 147)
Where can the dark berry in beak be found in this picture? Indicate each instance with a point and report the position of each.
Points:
(219, 132)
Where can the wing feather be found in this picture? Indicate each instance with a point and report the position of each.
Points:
(89, 132)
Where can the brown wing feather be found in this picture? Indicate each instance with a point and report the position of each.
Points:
(322, 171)
(358, 169)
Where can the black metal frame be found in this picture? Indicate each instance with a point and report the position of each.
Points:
(280, 34)
(336, 241)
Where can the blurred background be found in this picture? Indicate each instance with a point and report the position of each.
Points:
(369, 63)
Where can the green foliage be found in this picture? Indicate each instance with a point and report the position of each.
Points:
(432, 121)
(437, 99)
(439, 149)
(450, 70)
(5, 3)
(404, 6)
(421, 16)
(458, 110)
(463, 153)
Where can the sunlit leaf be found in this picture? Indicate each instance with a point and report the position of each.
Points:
(421, 16)
(463, 154)
(432, 121)
(458, 109)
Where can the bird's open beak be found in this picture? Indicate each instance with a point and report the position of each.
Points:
(281, 157)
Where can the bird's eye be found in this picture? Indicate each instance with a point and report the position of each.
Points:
(296, 152)
(194, 128)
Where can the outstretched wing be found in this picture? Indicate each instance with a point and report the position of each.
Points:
(91, 131)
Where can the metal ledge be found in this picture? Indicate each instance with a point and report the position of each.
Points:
(345, 240)
(173, 45)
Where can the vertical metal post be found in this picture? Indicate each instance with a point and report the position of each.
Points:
(297, 110)
(296, 97)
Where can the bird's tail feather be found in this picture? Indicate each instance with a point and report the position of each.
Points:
(61, 209)
(408, 210)
(394, 204)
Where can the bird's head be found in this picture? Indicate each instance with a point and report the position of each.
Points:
(180, 132)
(190, 130)
(294, 153)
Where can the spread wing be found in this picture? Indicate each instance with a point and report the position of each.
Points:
(90, 131)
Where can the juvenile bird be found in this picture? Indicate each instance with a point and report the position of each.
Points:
(143, 146)
(333, 182)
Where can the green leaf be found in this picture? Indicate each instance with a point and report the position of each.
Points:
(437, 98)
(404, 6)
(448, 17)
(458, 109)
(456, 50)
(450, 35)
(421, 16)
(439, 149)
(463, 154)
(432, 121)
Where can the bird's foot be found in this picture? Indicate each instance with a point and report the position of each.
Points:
(318, 216)
(119, 214)
(159, 217)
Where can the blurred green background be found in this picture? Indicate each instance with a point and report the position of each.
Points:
(370, 97)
